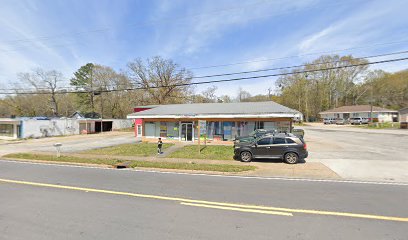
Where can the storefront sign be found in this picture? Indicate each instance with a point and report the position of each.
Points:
(203, 127)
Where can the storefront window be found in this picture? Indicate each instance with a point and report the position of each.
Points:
(270, 125)
(283, 126)
(150, 129)
(210, 130)
(227, 127)
(7, 130)
(163, 129)
(172, 130)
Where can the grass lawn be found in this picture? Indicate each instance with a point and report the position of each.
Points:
(135, 164)
(138, 149)
(70, 159)
(209, 152)
(193, 166)
(386, 125)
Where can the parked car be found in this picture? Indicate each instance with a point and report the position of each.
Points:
(254, 135)
(288, 147)
(341, 121)
(329, 120)
(358, 121)
(299, 132)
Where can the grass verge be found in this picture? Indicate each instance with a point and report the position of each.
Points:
(135, 164)
(207, 152)
(193, 166)
(136, 149)
(70, 159)
(386, 125)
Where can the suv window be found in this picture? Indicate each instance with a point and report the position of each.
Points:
(279, 141)
(288, 140)
(264, 141)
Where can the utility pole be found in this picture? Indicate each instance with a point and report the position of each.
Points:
(101, 112)
(92, 95)
(371, 106)
(269, 93)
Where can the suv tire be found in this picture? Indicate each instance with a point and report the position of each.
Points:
(291, 158)
(246, 156)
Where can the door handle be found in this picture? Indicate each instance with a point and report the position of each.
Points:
(268, 147)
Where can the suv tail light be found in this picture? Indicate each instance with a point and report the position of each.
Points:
(305, 146)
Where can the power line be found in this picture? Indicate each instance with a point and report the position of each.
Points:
(224, 80)
(300, 55)
(302, 65)
(246, 72)
(254, 71)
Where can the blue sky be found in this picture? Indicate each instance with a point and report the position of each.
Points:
(63, 35)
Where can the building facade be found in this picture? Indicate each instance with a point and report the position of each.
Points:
(403, 115)
(43, 127)
(364, 111)
(9, 128)
(223, 121)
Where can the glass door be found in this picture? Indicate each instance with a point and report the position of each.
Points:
(186, 132)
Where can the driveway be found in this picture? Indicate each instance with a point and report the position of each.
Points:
(69, 143)
(363, 154)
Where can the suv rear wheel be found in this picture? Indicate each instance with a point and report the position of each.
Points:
(246, 156)
(291, 158)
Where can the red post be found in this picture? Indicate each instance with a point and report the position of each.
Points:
(134, 123)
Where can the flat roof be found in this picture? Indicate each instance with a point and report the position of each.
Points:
(222, 110)
(9, 120)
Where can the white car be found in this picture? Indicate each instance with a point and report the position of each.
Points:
(358, 121)
(329, 121)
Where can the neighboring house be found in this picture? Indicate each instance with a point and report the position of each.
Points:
(403, 115)
(379, 114)
(224, 121)
(77, 115)
(298, 117)
(15, 128)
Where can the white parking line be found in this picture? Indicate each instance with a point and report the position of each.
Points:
(216, 175)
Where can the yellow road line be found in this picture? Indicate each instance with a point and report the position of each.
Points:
(307, 211)
(238, 209)
(233, 205)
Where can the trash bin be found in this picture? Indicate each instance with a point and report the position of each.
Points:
(404, 125)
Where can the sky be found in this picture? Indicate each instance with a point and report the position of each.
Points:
(206, 36)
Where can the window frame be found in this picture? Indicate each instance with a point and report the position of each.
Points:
(257, 142)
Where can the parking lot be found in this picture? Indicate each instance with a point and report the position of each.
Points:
(355, 153)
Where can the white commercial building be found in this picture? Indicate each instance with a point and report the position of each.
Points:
(43, 127)
(379, 114)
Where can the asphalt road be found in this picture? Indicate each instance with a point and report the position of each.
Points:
(356, 154)
(61, 202)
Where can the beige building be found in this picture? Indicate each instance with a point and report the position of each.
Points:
(379, 114)
(223, 121)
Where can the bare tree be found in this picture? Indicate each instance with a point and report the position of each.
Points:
(44, 82)
(209, 94)
(163, 80)
(242, 95)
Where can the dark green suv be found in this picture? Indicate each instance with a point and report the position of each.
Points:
(288, 147)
